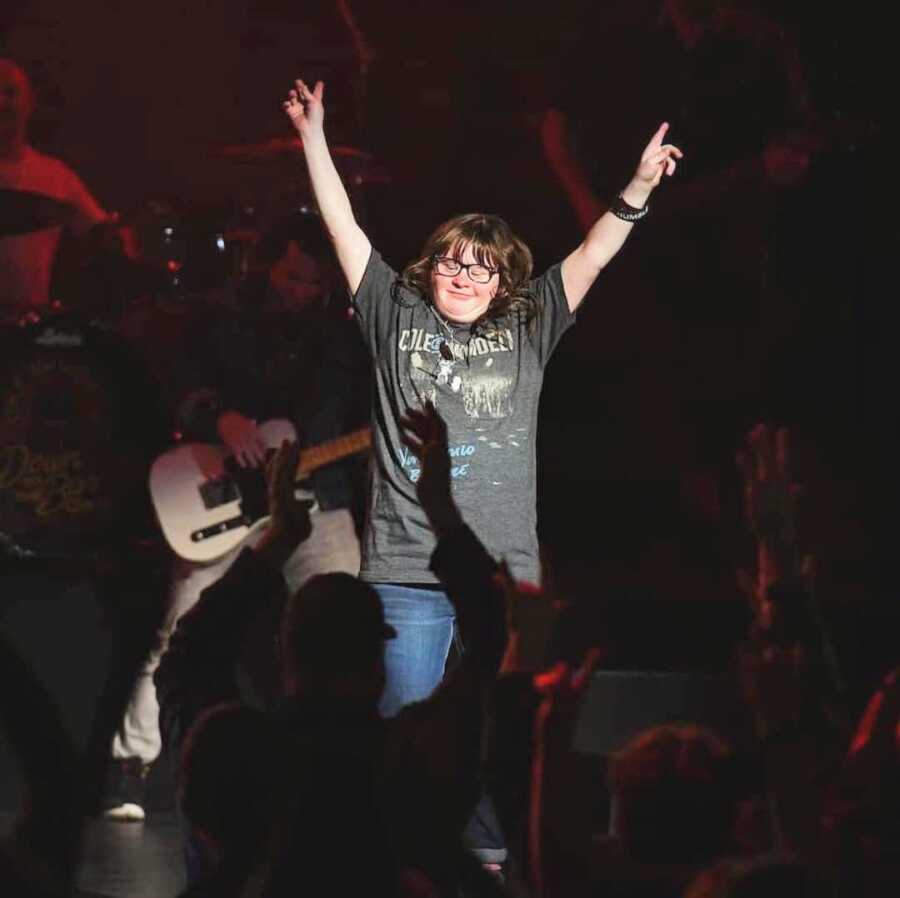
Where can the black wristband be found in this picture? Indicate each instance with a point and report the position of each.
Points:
(626, 212)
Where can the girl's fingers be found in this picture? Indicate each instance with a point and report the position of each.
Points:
(665, 155)
(656, 140)
(660, 156)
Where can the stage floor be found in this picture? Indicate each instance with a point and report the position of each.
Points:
(130, 860)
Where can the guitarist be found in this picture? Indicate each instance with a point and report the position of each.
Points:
(285, 351)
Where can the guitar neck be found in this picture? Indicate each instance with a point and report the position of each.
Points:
(333, 450)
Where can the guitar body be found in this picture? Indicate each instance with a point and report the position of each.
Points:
(207, 504)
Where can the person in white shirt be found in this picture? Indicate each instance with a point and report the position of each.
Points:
(26, 259)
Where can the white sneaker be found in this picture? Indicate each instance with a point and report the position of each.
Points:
(127, 812)
(124, 790)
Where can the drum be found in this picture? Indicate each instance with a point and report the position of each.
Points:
(79, 423)
(193, 249)
(198, 259)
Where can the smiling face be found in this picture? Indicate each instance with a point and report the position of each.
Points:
(475, 238)
(457, 297)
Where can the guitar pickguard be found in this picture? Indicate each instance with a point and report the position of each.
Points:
(217, 491)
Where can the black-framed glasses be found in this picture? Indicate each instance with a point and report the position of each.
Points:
(477, 272)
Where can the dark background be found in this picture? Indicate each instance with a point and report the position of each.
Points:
(650, 395)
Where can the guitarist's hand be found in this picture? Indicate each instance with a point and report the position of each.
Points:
(241, 436)
(290, 524)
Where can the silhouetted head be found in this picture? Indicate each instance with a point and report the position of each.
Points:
(229, 777)
(332, 639)
(673, 793)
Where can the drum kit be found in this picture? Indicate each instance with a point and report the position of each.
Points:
(185, 249)
(82, 381)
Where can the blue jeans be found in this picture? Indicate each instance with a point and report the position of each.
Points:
(414, 661)
(414, 665)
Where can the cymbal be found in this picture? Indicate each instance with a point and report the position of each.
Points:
(358, 167)
(22, 211)
(280, 146)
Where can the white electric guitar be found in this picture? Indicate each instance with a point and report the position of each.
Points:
(206, 503)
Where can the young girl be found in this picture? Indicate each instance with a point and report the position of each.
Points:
(466, 328)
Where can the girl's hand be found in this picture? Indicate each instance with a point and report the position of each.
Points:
(658, 159)
(305, 108)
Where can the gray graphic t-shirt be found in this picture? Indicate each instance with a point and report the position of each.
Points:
(487, 393)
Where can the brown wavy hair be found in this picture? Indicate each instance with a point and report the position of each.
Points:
(493, 244)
